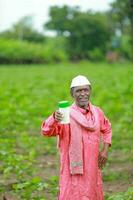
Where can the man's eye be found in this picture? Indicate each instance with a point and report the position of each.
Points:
(85, 90)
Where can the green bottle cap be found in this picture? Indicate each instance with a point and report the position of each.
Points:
(63, 104)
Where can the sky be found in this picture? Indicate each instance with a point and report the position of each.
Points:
(12, 11)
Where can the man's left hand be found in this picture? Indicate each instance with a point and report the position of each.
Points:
(102, 159)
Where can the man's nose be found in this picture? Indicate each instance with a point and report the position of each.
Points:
(82, 92)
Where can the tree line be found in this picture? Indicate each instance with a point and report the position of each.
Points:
(79, 34)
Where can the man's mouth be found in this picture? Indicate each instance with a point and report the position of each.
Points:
(83, 99)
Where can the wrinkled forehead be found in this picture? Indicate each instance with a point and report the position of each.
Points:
(81, 87)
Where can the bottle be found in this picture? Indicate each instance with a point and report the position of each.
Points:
(64, 109)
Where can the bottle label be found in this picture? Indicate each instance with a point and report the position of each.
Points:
(66, 117)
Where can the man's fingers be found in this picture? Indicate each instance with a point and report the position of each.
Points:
(101, 161)
(59, 118)
(58, 115)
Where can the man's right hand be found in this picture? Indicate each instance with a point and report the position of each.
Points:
(58, 115)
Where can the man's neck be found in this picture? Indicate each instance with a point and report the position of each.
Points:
(85, 107)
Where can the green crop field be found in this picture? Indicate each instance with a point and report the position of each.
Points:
(29, 162)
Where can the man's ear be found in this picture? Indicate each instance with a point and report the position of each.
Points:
(90, 88)
(71, 92)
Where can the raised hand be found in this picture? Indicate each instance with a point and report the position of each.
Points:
(58, 115)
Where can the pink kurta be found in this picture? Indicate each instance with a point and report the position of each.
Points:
(89, 185)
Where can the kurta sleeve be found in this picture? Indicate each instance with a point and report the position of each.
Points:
(105, 128)
(50, 127)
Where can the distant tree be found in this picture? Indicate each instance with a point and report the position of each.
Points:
(85, 31)
(60, 17)
(23, 30)
(122, 15)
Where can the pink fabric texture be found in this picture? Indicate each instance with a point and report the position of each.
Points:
(86, 186)
(77, 122)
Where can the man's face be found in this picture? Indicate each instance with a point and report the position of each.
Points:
(81, 94)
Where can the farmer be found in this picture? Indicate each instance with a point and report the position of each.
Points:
(81, 159)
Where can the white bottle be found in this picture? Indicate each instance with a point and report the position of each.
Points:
(64, 109)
